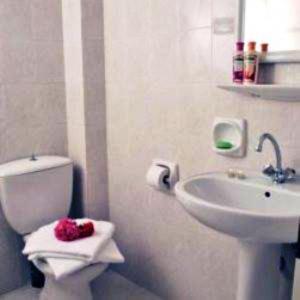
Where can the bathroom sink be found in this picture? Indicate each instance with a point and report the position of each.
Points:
(253, 209)
(264, 218)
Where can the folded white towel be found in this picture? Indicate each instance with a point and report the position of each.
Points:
(44, 243)
(62, 267)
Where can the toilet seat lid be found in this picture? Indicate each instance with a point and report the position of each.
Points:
(28, 165)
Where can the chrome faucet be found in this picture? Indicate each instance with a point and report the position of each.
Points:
(278, 174)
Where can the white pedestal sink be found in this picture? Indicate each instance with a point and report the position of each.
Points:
(263, 216)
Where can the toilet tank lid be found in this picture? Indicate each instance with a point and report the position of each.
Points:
(27, 165)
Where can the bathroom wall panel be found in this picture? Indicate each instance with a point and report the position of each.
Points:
(95, 108)
(46, 20)
(163, 61)
(32, 102)
(86, 110)
(15, 19)
(92, 19)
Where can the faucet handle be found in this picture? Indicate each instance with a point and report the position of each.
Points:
(269, 170)
(290, 173)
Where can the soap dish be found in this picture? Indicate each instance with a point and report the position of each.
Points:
(227, 131)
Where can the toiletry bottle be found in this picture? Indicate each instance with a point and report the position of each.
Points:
(238, 63)
(263, 50)
(251, 64)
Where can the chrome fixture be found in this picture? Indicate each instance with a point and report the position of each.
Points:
(278, 174)
(33, 157)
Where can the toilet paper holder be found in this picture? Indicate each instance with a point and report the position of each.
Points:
(171, 176)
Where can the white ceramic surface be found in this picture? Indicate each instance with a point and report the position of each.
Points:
(262, 215)
(233, 131)
(241, 208)
(45, 185)
(74, 287)
(35, 193)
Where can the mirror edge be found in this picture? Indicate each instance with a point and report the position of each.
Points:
(272, 57)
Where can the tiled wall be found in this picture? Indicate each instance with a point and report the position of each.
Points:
(32, 101)
(85, 98)
(163, 59)
(95, 108)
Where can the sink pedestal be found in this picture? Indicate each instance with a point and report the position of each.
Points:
(263, 275)
(263, 216)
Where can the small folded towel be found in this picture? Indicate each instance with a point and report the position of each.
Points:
(62, 267)
(44, 243)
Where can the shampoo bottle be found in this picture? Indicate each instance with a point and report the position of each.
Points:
(264, 50)
(238, 63)
(251, 64)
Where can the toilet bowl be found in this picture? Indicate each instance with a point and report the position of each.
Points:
(73, 287)
(45, 184)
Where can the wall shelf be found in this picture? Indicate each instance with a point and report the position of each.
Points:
(266, 91)
(281, 57)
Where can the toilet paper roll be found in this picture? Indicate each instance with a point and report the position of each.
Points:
(156, 176)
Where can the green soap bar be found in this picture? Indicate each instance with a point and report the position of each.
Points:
(222, 144)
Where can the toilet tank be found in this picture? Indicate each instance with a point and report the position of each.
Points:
(36, 191)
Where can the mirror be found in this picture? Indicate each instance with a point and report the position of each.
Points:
(275, 22)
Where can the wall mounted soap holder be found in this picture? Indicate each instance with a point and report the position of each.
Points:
(229, 137)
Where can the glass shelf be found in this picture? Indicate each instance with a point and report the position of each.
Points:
(266, 91)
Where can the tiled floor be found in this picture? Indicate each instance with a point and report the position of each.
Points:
(110, 286)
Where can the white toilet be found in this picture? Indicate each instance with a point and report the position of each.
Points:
(37, 191)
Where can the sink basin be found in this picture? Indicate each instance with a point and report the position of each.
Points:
(253, 209)
(262, 215)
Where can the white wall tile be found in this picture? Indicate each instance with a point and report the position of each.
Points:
(49, 62)
(32, 113)
(194, 14)
(15, 19)
(17, 61)
(46, 19)
(92, 19)
(85, 97)
(93, 60)
(164, 17)
(161, 101)
(196, 56)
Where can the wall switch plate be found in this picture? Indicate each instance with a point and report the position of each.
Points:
(222, 26)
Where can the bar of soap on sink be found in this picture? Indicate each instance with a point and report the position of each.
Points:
(223, 144)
